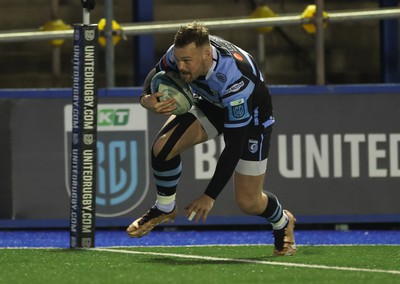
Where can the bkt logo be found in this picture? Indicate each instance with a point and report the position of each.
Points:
(107, 117)
(122, 151)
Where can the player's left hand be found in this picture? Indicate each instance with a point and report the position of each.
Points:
(201, 206)
(152, 103)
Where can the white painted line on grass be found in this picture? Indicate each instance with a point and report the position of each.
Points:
(210, 258)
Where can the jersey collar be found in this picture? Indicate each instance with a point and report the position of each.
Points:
(214, 63)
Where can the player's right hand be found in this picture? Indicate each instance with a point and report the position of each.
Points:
(200, 206)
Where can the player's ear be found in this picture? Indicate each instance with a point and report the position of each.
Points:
(207, 51)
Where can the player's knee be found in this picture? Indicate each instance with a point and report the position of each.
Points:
(161, 152)
(157, 146)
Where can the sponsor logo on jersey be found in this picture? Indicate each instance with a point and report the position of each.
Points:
(236, 87)
(238, 56)
(221, 77)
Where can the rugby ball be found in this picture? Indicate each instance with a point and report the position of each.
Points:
(172, 86)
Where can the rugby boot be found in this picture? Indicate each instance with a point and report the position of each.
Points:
(284, 238)
(143, 225)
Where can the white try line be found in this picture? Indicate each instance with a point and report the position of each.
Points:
(210, 258)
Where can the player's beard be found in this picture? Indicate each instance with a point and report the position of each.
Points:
(190, 76)
(186, 76)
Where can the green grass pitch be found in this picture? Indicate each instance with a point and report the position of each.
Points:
(202, 264)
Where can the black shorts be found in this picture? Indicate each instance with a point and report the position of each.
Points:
(254, 158)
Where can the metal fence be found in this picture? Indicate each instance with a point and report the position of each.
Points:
(286, 20)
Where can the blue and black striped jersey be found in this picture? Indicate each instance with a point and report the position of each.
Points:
(234, 83)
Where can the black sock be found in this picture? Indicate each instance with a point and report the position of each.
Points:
(166, 174)
(274, 212)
